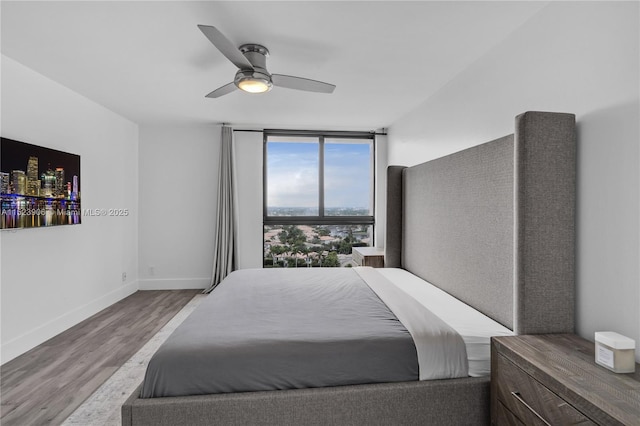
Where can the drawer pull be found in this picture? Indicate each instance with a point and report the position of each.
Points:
(517, 396)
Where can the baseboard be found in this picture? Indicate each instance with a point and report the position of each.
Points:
(42, 333)
(174, 283)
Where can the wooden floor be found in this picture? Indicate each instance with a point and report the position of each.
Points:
(45, 385)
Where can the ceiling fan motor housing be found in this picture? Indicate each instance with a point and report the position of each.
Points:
(257, 55)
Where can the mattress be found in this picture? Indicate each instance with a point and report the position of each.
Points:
(271, 329)
(475, 328)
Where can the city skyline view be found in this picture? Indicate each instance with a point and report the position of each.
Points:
(15, 156)
(38, 186)
(329, 211)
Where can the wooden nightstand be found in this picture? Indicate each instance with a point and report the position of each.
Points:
(368, 256)
(552, 379)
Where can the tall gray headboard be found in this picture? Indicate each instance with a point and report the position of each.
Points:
(493, 225)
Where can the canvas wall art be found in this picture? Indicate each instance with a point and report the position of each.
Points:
(39, 186)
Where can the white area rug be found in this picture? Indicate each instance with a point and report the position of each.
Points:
(103, 406)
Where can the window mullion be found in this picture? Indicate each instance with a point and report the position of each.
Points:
(265, 140)
(321, 176)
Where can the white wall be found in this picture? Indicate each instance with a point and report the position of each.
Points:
(177, 252)
(52, 278)
(579, 57)
(178, 197)
(381, 163)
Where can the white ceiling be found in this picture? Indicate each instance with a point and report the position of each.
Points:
(149, 62)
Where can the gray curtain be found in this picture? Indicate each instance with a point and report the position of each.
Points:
(224, 248)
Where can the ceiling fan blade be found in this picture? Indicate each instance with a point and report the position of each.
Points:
(226, 47)
(299, 83)
(221, 91)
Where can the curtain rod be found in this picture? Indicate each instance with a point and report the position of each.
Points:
(384, 133)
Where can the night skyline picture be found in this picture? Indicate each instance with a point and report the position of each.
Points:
(39, 186)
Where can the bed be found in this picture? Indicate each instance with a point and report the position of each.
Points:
(490, 228)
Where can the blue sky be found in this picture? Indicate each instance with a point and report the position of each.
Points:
(293, 174)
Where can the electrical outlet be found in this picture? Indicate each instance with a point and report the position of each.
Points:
(124, 277)
(152, 270)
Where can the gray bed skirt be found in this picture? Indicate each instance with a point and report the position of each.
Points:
(434, 402)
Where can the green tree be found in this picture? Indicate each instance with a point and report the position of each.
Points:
(303, 250)
(345, 244)
(276, 251)
(318, 258)
(331, 260)
(323, 232)
(292, 236)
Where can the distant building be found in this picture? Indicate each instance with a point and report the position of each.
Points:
(19, 182)
(4, 182)
(48, 183)
(60, 183)
(33, 184)
(74, 188)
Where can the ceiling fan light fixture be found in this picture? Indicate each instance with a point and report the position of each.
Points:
(253, 81)
(254, 85)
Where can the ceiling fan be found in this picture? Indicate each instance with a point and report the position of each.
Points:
(252, 75)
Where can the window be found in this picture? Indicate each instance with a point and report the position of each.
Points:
(318, 197)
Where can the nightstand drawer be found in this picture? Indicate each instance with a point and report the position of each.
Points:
(530, 401)
(504, 417)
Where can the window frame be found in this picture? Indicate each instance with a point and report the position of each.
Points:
(321, 219)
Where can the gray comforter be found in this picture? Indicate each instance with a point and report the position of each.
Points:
(269, 329)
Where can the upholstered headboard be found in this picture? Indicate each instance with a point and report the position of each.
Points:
(493, 225)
